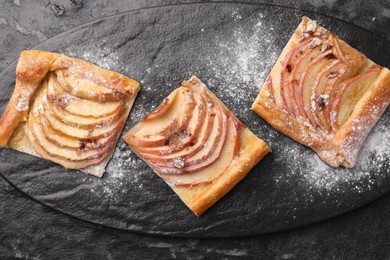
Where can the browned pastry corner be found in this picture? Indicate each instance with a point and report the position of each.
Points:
(196, 145)
(66, 110)
(324, 94)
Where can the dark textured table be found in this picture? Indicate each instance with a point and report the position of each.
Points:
(31, 231)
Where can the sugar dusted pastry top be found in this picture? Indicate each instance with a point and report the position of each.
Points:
(188, 132)
(325, 94)
(196, 145)
(66, 110)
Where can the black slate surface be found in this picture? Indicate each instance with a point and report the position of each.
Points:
(29, 230)
(232, 47)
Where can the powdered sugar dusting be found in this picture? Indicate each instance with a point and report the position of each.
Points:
(317, 177)
(103, 57)
(122, 174)
(242, 61)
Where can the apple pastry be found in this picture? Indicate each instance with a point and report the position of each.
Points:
(66, 110)
(324, 94)
(196, 145)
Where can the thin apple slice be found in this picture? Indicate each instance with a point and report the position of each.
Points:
(298, 67)
(65, 163)
(285, 74)
(199, 121)
(286, 92)
(344, 72)
(168, 111)
(80, 121)
(319, 100)
(84, 122)
(212, 147)
(213, 171)
(199, 154)
(154, 130)
(165, 105)
(77, 106)
(306, 82)
(63, 152)
(180, 166)
(348, 94)
(65, 141)
(85, 89)
(82, 134)
(33, 124)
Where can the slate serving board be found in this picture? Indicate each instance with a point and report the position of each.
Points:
(232, 48)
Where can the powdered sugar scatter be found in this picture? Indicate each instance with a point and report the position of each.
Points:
(122, 174)
(317, 177)
(101, 56)
(242, 60)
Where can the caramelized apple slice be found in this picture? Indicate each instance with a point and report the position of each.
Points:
(62, 140)
(80, 121)
(199, 161)
(200, 123)
(163, 107)
(77, 106)
(287, 66)
(160, 125)
(307, 80)
(60, 137)
(85, 89)
(348, 94)
(164, 114)
(319, 99)
(69, 158)
(197, 155)
(342, 73)
(216, 138)
(65, 163)
(216, 169)
(63, 152)
(298, 67)
(83, 134)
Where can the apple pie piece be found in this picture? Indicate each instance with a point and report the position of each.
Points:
(196, 145)
(66, 110)
(324, 94)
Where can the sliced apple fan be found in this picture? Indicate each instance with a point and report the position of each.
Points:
(66, 110)
(324, 94)
(196, 145)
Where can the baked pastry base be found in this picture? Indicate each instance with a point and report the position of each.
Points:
(339, 148)
(32, 68)
(201, 196)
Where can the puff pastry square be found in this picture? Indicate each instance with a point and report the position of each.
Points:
(66, 110)
(196, 145)
(324, 94)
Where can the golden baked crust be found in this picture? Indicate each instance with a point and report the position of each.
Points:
(334, 123)
(83, 83)
(199, 189)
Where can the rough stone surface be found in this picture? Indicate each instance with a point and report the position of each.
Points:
(29, 230)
